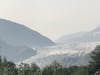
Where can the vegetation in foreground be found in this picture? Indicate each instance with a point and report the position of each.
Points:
(9, 68)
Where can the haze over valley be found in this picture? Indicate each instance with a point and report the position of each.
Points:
(49, 37)
(21, 44)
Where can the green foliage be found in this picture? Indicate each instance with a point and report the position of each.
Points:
(25, 69)
(81, 71)
(53, 69)
(95, 60)
(9, 68)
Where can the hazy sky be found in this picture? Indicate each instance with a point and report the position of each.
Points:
(53, 18)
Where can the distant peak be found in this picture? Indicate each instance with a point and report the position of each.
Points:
(4, 20)
(18, 34)
(97, 29)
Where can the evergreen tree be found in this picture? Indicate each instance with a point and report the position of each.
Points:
(95, 60)
(80, 71)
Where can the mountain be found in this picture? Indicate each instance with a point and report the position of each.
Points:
(15, 54)
(18, 42)
(74, 49)
(18, 35)
(67, 55)
(91, 36)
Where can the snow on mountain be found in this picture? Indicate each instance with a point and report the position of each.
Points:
(91, 36)
(19, 35)
(72, 54)
(17, 43)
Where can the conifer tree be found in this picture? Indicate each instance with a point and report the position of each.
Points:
(95, 60)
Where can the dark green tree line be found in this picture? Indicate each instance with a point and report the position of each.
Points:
(9, 68)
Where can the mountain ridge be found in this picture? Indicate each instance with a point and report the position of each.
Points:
(18, 34)
(90, 36)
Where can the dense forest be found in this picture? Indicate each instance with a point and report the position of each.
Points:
(93, 68)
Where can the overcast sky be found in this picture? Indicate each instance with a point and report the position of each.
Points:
(53, 18)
